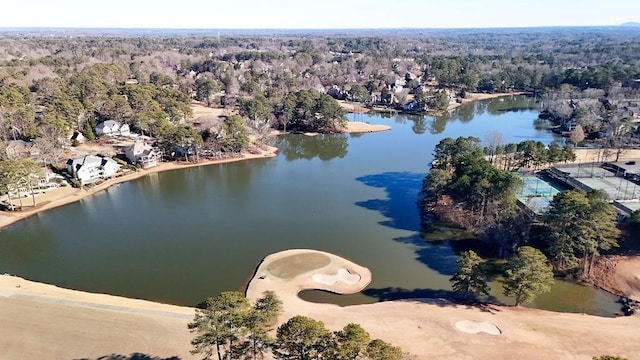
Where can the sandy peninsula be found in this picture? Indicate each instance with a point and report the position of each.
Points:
(363, 127)
(44, 321)
(439, 329)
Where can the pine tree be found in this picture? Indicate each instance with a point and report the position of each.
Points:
(528, 275)
(471, 278)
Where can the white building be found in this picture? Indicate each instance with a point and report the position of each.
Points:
(112, 128)
(78, 137)
(91, 168)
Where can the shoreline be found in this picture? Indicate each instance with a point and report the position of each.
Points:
(41, 318)
(429, 328)
(68, 195)
(359, 108)
(482, 96)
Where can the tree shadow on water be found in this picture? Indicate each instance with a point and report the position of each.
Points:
(439, 297)
(134, 356)
(402, 192)
(397, 293)
(402, 213)
(439, 256)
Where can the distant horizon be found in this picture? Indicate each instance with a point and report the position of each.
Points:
(62, 28)
(315, 15)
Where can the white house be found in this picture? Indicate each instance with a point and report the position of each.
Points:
(111, 128)
(398, 85)
(143, 154)
(91, 168)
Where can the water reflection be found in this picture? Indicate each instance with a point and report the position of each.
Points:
(163, 237)
(323, 146)
(27, 249)
(501, 105)
(465, 113)
(439, 257)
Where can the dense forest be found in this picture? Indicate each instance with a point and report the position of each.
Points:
(51, 85)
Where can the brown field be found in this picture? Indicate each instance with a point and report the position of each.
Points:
(292, 266)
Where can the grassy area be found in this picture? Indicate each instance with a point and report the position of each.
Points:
(291, 266)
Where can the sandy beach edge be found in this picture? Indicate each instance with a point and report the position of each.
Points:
(471, 97)
(429, 328)
(425, 328)
(67, 195)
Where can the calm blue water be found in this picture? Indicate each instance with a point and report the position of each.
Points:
(181, 236)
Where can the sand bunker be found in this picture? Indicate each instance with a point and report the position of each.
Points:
(343, 275)
(475, 327)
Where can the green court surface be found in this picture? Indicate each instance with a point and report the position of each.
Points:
(536, 194)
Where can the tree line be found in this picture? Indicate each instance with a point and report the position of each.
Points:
(463, 188)
(61, 83)
(228, 326)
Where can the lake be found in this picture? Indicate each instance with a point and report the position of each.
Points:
(182, 236)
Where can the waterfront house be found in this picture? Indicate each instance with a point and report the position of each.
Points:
(388, 99)
(143, 154)
(411, 105)
(91, 168)
(398, 85)
(336, 93)
(112, 128)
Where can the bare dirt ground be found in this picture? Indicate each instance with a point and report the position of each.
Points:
(599, 155)
(619, 275)
(471, 97)
(42, 321)
(362, 127)
(427, 328)
(205, 117)
(353, 107)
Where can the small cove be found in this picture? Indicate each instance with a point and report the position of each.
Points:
(183, 235)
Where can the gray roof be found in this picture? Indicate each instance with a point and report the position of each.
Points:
(109, 123)
(89, 160)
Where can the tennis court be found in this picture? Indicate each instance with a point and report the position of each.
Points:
(536, 194)
(617, 188)
(586, 170)
(536, 187)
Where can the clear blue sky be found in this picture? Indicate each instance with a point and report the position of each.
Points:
(324, 14)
